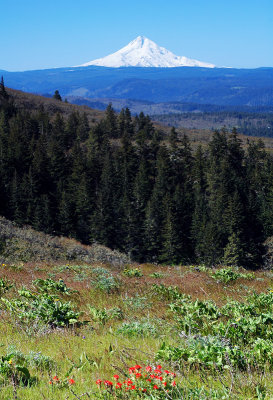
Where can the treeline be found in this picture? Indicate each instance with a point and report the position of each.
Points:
(120, 184)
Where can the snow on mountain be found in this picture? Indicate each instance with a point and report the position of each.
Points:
(143, 52)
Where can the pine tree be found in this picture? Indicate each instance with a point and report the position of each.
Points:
(3, 93)
(66, 215)
(173, 137)
(103, 220)
(57, 95)
(200, 213)
(111, 125)
(15, 212)
(152, 231)
(82, 210)
(233, 253)
(56, 151)
(42, 219)
(171, 241)
(71, 129)
(128, 124)
(156, 209)
(83, 128)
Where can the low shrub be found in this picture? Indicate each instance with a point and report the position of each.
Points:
(204, 351)
(104, 280)
(5, 285)
(136, 302)
(226, 275)
(104, 315)
(134, 272)
(50, 286)
(136, 328)
(48, 309)
(167, 293)
(157, 275)
(14, 366)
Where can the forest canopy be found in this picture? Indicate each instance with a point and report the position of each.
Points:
(124, 185)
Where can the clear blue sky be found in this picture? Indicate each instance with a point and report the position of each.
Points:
(37, 34)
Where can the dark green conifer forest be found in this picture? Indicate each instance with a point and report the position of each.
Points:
(120, 184)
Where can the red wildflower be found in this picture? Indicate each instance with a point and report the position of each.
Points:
(129, 382)
(158, 367)
(164, 383)
(98, 381)
(137, 367)
(118, 385)
(50, 382)
(138, 375)
(133, 387)
(155, 387)
(71, 381)
(116, 377)
(148, 368)
(56, 379)
(173, 383)
(108, 383)
(167, 372)
(132, 370)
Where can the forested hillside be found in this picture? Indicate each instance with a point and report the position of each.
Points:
(215, 86)
(118, 183)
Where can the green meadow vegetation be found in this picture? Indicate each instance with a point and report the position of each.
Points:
(133, 331)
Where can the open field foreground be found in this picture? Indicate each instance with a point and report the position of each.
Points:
(139, 331)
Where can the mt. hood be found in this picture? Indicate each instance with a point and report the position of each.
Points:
(143, 52)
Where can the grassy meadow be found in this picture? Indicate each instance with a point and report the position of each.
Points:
(65, 326)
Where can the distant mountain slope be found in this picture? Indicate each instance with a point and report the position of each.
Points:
(143, 52)
(253, 121)
(219, 86)
(198, 125)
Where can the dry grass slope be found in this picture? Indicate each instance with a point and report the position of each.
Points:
(25, 244)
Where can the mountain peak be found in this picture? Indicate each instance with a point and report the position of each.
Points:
(143, 52)
(139, 41)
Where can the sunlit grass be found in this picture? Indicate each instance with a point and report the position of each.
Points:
(99, 350)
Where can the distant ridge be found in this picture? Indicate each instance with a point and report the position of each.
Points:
(143, 52)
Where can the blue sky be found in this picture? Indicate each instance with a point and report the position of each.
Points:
(37, 34)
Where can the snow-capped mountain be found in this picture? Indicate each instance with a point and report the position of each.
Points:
(143, 52)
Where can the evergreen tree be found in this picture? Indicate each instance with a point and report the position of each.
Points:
(83, 128)
(152, 231)
(200, 213)
(71, 129)
(111, 125)
(42, 219)
(233, 253)
(103, 219)
(3, 93)
(173, 137)
(57, 95)
(171, 240)
(66, 215)
(56, 151)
